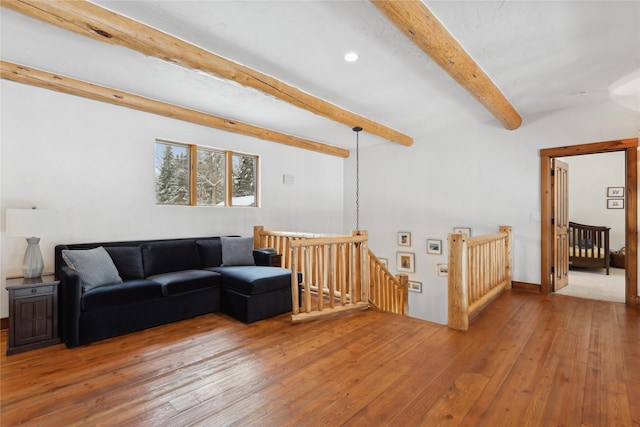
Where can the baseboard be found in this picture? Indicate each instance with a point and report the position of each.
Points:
(4, 323)
(523, 286)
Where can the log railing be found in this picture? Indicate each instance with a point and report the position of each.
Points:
(338, 271)
(479, 269)
(386, 291)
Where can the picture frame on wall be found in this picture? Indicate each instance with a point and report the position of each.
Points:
(415, 286)
(615, 203)
(615, 191)
(404, 238)
(384, 262)
(434, 246)
(442, 270)
(462, 230)
(405, 262)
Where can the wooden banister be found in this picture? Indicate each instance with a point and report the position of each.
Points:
(339, 271)
(479, 269)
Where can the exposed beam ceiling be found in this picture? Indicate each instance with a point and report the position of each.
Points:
(101, 24)
(421, 26)
(31, 76)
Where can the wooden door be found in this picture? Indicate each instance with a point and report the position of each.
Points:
(560, 221)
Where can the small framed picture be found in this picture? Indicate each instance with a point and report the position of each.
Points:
(415, 286)
(405, 261)
(462, 230)
(442, 269)
(615, 191)
(434, 246)
(384, 262)
(404, 238)
(615, 203)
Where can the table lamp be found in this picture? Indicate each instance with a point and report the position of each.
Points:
(30, 223)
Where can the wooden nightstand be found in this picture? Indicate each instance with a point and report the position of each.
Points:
(33, 313)
(275, 260)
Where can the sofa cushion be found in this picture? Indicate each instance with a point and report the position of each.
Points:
(169, 256)
(255, 279)
(185, 281)
(210, 251)
(119, 294)
(94, 266)
(128, 261)
(237, 251)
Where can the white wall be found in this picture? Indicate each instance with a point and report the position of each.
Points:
(94, 164)
(476, 175)
(589, 177)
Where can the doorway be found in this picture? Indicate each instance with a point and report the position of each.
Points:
(591, 178)
(630, 148)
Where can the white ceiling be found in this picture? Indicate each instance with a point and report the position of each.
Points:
(541, 54)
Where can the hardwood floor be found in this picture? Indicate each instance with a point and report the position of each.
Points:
(527, 359)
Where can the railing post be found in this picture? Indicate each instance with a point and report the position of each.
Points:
(294, 282)
(362, 269)
(508, 243)
(257, 235)
(458, 317)
(403, 279)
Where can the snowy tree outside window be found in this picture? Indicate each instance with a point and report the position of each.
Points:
(210, 177)
(214, 184)
(244, 180)
(172, 174)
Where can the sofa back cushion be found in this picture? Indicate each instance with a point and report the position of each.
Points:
(128, 261)
(210, 252)
(169, 256)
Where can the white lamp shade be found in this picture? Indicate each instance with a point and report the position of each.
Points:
(31, 222)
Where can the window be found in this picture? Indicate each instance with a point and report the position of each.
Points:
(244, 180)
(210, 177)
(172, 174)
(191, 175)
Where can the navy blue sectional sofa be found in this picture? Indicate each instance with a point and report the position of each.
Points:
(141, 284)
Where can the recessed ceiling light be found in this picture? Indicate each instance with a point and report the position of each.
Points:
(351, 57)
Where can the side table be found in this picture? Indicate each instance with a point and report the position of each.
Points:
(33, 313)
(276, 260)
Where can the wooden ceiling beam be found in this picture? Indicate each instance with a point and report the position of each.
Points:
(23, 74)
(416, 21)
(91, 20)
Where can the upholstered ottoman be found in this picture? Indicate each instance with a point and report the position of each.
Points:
(252, 293)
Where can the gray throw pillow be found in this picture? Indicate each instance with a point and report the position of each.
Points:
(94, 266)
(237, 251)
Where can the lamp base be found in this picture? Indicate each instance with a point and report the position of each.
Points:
(32, 265)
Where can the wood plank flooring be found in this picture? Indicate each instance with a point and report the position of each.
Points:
(527, 359)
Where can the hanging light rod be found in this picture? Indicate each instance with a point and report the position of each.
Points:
(357, 129)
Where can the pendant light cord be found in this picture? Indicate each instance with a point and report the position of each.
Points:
(357, 130)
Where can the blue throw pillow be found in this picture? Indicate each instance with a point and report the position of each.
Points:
(94, 266)
(237, 251)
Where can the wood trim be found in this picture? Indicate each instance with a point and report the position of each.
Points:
(594, 148)
(630, 147)
(31, 76)
(98, 23)
(193, 175)
(415, 20)
(631, 239)
(228, 194)
(524, 286)
(4, 323)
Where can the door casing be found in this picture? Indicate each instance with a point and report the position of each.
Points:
(630, 147)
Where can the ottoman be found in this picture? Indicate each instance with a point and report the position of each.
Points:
(252, 293)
